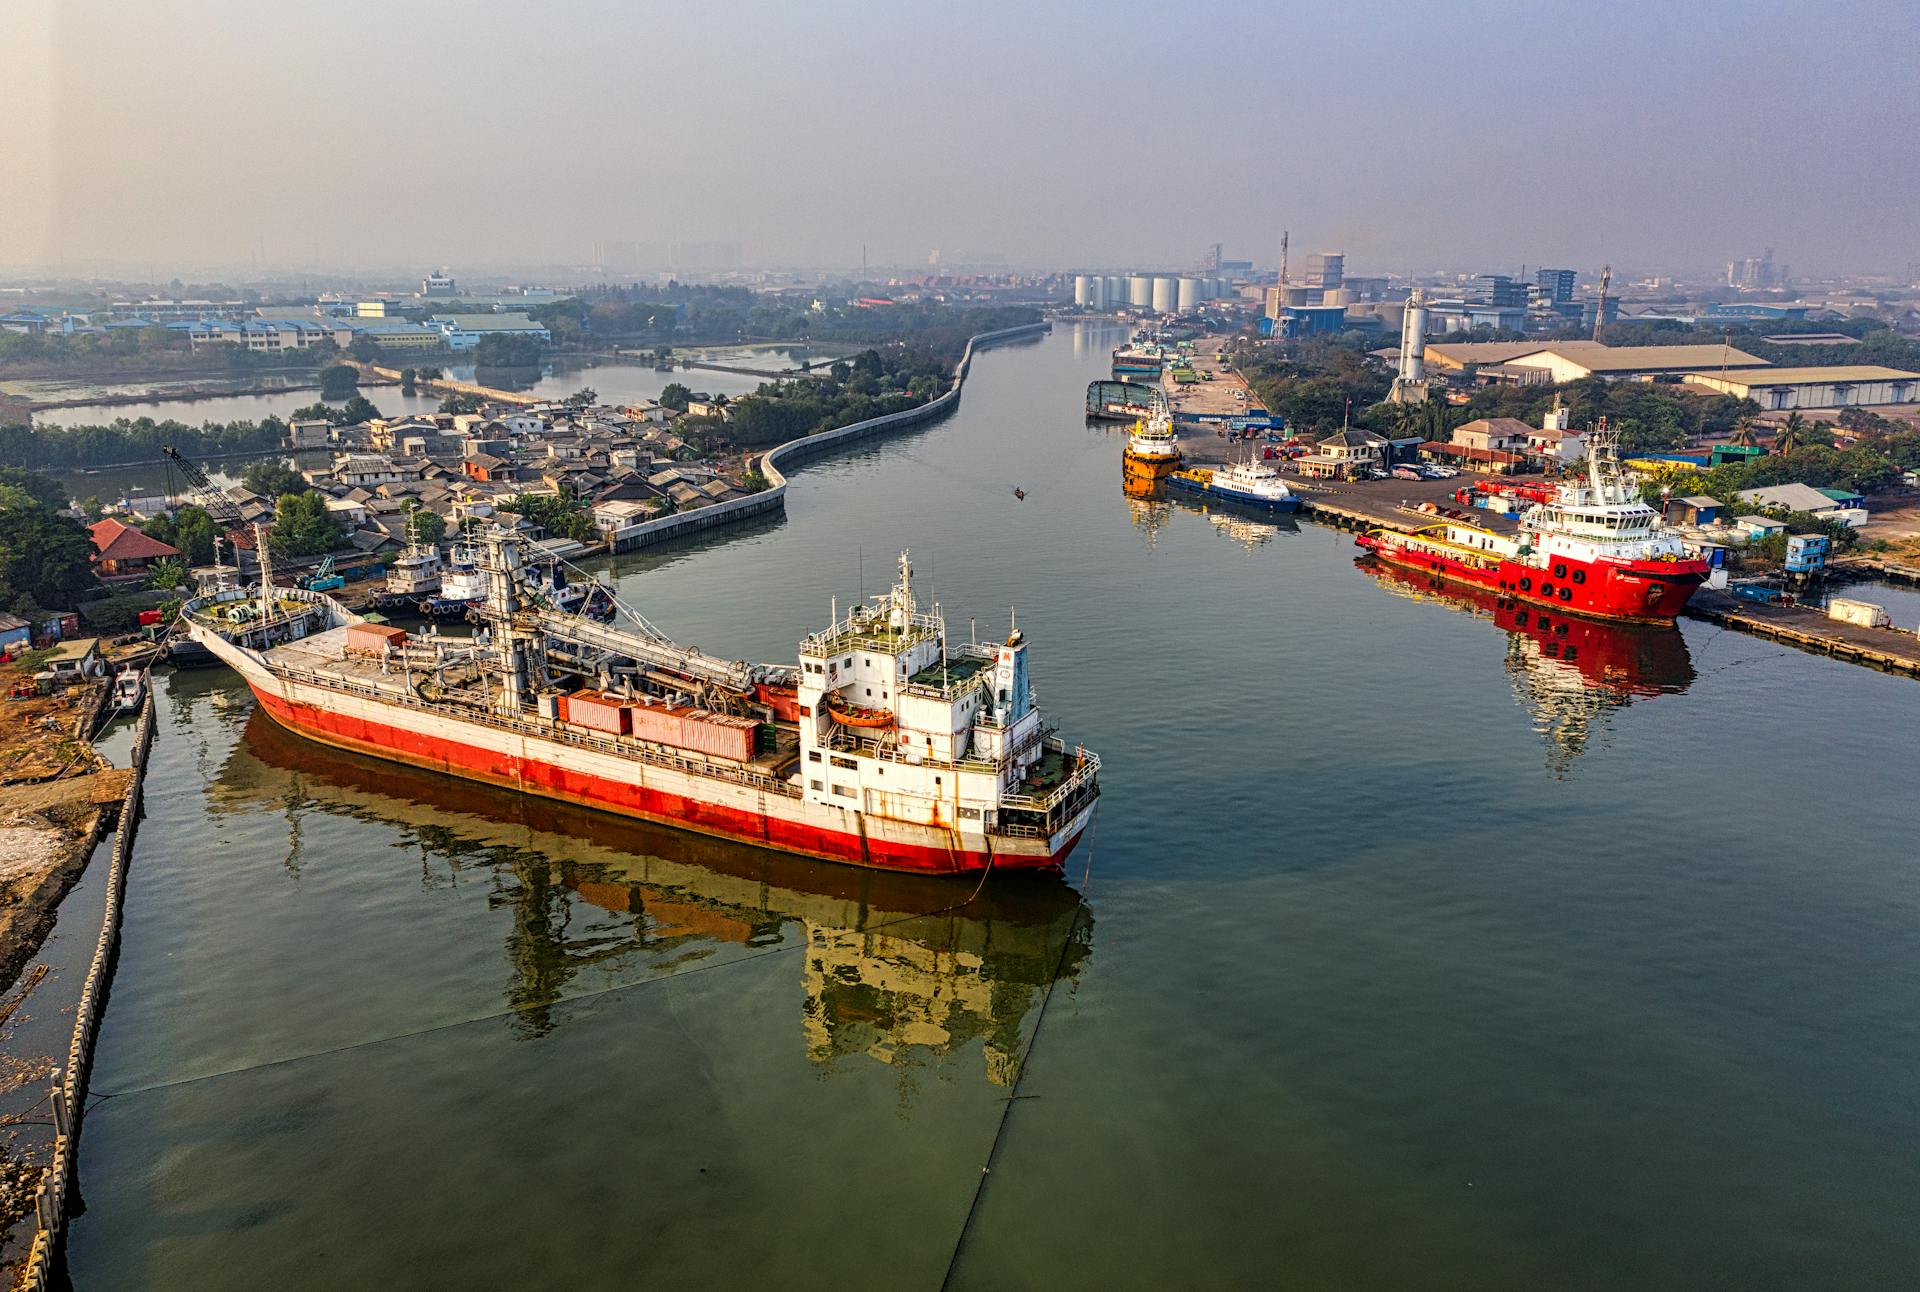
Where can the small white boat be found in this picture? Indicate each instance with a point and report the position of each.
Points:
(129, 690)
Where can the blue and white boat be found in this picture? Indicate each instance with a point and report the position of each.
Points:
(1254, 483)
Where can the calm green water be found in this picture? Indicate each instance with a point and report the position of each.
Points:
(1405, 953)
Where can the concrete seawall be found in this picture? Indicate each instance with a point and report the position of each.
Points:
(69, 1084)
(794, 452)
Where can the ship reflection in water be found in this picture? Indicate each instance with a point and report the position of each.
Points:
(891, 969)
(1153, 505)
(1570, 673)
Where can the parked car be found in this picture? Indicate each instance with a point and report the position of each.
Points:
(1408, 473)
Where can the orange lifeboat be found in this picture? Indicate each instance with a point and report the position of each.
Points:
(852, 715)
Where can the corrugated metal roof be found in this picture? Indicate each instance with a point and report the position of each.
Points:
(1597, 357)
(1849, 372)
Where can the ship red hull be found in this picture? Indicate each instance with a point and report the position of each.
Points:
(1643, 592)
(472, 762)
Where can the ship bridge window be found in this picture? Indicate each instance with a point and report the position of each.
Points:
(969, 814)
(813, 755)
(838, 761)
(843, 791)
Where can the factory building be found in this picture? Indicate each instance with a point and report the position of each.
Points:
(1326, 269)
(1575, 360)
(1783, 389)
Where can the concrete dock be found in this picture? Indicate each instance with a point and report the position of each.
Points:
(1890, 650)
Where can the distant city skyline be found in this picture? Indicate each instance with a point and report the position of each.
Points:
(492, 136)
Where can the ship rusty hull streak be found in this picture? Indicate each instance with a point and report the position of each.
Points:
(961, 776)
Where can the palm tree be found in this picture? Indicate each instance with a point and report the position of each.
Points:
(1793, 435)
(167, 574)
(1743, 433)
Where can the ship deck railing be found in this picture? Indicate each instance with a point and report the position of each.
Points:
(1478, 557)
(631, 750)
(874, 634)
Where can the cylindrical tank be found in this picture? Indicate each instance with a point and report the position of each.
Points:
(1083, 291)
(1189, 295)
(1116, 291)
(1413, 338)
(1166, 294)
(1140, 291)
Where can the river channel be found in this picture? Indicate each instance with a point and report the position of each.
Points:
(1413, 947)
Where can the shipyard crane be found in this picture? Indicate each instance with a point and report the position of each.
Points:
(1600, 312)
(206, 495)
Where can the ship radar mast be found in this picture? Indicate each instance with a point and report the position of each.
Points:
(901, 606)
(1600, 445)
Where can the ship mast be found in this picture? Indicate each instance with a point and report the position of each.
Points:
(266, 570)
(1600, 441)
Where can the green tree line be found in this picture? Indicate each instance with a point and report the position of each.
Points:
(126, 441)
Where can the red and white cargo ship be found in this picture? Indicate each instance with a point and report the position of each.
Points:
(886, 747)
(1596, 549)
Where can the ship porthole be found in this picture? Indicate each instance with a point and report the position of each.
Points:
(1579, 576)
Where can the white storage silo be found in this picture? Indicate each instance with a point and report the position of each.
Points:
(1082, 291)
(1116, 291)
(1140, 291)
(1166, 294)
(1189, 295)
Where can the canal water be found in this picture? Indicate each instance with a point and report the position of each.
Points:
(1414, 946)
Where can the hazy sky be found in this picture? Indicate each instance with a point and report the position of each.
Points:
(201, 134)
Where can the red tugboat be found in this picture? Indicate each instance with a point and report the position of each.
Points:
(1597, 549)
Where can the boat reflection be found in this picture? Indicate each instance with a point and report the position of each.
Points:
(898, 968)
(1147, 506)
(1153, 504)
(1570, 673)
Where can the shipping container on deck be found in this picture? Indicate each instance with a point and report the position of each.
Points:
(374, 639)
(596, 712)
(703, 732)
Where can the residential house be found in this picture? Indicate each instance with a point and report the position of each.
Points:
(1507, 434)
(1345, 455)
(309, 433)
(487, 468)
(126, 554)
(365, 470)
(350, 514)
